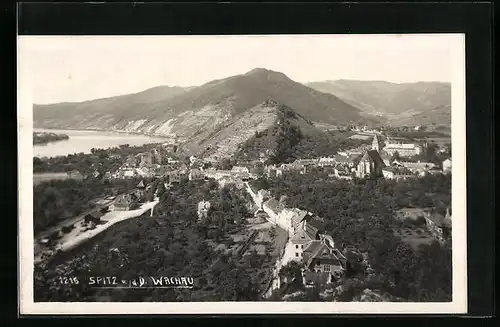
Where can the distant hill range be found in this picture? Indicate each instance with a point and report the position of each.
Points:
(420, 103)
(217, 118)
(173, 110)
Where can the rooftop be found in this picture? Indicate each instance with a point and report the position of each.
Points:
(375, 156)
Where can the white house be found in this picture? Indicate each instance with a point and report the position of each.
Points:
(203, 208)
(240, 169)
(396, 173)
(447, 165)
(403, 149)
(326, 161)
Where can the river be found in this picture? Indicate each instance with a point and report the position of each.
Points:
(83, 141)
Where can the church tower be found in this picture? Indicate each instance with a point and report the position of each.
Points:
(375, 145)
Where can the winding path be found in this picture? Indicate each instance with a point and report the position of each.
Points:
(274, 282)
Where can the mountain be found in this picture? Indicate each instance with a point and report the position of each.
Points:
(186, 112)
(290, 136)
(96, 113)
(438, 119)
(269, 130)
(390, 100)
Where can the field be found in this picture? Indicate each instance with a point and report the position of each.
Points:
(415, 236)
(361, 137)
(44, 177)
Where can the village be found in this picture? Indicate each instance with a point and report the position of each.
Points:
(323, 260)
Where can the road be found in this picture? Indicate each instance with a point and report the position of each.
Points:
(71, 221)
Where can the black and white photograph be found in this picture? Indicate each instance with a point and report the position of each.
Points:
(295, 173)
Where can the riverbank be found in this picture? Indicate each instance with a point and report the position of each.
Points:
(42, 138)
(83, 141)
(39, 178)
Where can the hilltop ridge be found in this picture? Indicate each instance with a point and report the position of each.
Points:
(185, 112)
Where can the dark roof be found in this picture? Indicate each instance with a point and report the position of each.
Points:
(299, 216)
(318, 250)
(95, 215)
(341, 159)
(316, 223)
(125, 199)
(375, 156)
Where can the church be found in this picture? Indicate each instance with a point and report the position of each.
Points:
(370, 162)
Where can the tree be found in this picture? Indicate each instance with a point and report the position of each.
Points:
(272, 233)
(430, 152)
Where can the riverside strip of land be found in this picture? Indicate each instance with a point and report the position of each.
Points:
(44, 138)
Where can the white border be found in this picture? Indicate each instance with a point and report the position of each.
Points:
(458, 305)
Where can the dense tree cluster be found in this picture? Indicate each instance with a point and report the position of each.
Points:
(172, 243)
(56, 200)
(360, 213)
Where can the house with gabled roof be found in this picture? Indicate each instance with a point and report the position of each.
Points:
(370, 164)
(326, 161)
(314, 226)
(412, 213)
(322, 261)
(175, 176)
(293, 219)
(307, 162)
(298, 242)
(196, 175)
(347, 161)
(93, 217)
(397, 173)
(439, 226)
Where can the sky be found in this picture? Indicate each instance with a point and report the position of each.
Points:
(70, 68)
